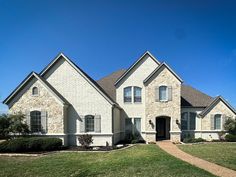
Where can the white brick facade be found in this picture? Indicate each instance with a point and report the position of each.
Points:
(84, 97)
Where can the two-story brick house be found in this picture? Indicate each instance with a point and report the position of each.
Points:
(147, 101)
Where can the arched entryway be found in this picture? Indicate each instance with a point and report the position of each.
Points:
(162, 128)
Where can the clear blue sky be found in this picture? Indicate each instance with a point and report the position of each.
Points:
(196, 38)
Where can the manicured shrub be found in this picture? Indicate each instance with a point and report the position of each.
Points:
(230, 126)
(193, 140)
(32, 144)
(230, 138)
(85, 140)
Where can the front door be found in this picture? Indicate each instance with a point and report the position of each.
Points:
(160, 128)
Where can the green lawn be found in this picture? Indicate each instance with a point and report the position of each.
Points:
(140, 160)
(220, 153)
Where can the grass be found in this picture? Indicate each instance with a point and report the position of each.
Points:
(223, 154)
(140, 160)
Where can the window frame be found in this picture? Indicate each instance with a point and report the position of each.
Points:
(33, 90)
(159, 92)
(132, 125)
(188, 121)
(220, 125)
(134, 96)
(125, 97)
(36, 123)
(91, 128)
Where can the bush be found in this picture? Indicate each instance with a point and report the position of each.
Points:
(230, 138)
(85, 140)
(193, 140)
(230, 126)
(32, 144)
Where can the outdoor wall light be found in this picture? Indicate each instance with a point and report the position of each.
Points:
(151, 123)
(177, 121)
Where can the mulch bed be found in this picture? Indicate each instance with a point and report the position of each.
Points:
(96, 148)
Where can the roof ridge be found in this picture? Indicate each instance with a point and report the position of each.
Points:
(111, 74)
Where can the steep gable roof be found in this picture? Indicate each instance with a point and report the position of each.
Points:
(214, 102)
(134, 64)
(85, 75)
(191, 97)
(158, 69)
(42, 80)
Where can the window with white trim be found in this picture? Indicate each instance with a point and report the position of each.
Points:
(133, 127)
(35, 91)
(89, 123)
(188, 121)
(163, 93)
(35, 121)
(128, 94)
(217, 122)
(137, 94)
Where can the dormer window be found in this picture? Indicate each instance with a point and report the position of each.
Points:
(35, 91)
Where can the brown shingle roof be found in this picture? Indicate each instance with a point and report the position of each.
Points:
(194, 98)
(108, 82)
(190, 97)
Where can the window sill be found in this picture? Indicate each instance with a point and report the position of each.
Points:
(163, 101)
(137, 102)
(35, 95)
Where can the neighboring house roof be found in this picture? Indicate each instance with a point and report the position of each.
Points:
(43, 81)
(85, 75)
(158, 69)
(213, 103)
(134, 64)
(190, 97)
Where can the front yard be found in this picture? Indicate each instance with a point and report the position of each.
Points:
(140, 160)
(223, 154)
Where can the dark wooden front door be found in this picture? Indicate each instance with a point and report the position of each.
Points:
(160, 128)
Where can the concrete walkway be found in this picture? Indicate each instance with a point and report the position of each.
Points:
(217, 170)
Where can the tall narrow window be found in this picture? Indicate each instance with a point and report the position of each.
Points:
(217, 122)
(128, 94)
(184, 121)
(35, 121)
(192, 121)
(137, 95)
(89, 123)
(163, 93)
(128, 127)
(137, 126)
(35, 91)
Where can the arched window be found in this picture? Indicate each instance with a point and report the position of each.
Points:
(127, 94)
(35, 91)
(217, 122)
(137, 94)
(35, 121)
(89, 123)
(163, 93)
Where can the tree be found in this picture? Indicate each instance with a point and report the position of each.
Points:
(230, 126)
(13, 124)
(4, 125)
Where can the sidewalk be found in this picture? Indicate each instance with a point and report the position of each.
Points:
(215, 169)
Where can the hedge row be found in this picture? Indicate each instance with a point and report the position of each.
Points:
(230, 138)
(33, 144)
